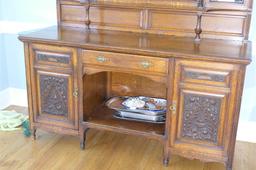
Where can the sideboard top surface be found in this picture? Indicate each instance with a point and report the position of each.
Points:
(145, 44)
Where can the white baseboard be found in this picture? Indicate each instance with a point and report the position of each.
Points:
(18, 97)
(4, 98)
(13, 96)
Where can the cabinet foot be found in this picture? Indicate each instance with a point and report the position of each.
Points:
(34, 134)
(83, 138)
(82, 145)
(166, 161)
(229, 165)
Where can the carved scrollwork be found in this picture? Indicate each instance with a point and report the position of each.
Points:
(65, 59)
(54, 95)
(201, 117)
(205, 76)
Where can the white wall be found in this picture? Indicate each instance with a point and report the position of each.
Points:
(3, 68)
(3, 83)
(248, 107)
(17, 16)
(1, 9)
(29, 11)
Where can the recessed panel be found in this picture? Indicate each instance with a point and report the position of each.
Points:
(201, 117)
(222, 24)
(73, 13)
(54, 94)
(172, 21)
(115, 17)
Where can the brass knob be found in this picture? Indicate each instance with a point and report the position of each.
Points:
(173, 108)
(146, 64)
(75, 93)
(101, 59)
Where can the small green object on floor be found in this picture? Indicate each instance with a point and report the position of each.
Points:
(26, 128)
(11, 121)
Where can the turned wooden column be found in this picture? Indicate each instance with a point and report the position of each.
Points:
(87, 8)
(198, 29)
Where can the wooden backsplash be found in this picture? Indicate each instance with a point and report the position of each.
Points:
(157, 16)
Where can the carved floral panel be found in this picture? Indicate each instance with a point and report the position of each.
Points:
(201, 117)
(54, 95)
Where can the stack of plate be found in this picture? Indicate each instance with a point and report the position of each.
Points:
(145, 109)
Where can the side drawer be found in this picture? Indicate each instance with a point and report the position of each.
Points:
(126, 61)
(52, 55)
(208, 73)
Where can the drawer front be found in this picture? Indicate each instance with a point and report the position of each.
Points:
(52, 55)
(53, 58)
(126, 61)
(207, 73)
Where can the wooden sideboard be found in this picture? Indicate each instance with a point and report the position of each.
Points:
(192, 53)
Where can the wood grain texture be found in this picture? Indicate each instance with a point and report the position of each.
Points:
(144, 44)
(106, 80)
(101, 86)
(169, 17)
(114, 47)
(129, 62)
(187, 147)
(105, 151)
(123, 84)
(64, 88)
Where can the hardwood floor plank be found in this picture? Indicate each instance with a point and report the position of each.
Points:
(104, 151)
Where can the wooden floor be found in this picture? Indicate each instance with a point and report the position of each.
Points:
(104, 151)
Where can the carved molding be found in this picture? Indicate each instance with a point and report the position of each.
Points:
(201, 117)
(205, 76)
(65, 59)
(54, 95)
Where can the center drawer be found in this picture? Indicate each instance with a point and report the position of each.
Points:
(125, 61)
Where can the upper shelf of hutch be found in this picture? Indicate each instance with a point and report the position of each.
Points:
(144, 44)
(164, 4)
(169, 17)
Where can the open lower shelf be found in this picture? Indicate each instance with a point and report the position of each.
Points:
(102, 118)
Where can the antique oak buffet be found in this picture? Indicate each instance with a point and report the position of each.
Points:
(192, 53)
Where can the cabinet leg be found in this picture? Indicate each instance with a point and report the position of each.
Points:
(83, 138)
(34, 133)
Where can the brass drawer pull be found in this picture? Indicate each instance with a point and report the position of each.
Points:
(146, 64)
(101, 59)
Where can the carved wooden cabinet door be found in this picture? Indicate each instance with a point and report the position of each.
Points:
(54, 94)
(201, 111)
